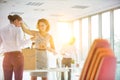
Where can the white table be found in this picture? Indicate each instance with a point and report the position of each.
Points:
(57, 70)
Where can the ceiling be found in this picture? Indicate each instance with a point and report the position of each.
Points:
(64, 10)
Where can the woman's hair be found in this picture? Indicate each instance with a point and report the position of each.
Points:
(12, 18)
(44, 21)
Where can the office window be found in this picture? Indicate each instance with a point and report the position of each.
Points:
(64, 32)
(76, 32)
(106, 26)
(117, 33)
(84, 37)
(94, 27)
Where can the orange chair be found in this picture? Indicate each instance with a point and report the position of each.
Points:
(107, 69)
(95, 58)
(98, 43)
(104, 66)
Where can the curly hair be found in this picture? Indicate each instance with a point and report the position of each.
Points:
(44, 21)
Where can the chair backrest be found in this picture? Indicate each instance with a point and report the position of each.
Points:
(107, 69)
(98, 43)
(95, 58)
(103, 55)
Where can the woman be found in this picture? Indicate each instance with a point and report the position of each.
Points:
(43, 42)
(12, 42)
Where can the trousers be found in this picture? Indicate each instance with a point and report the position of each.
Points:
(13, 62)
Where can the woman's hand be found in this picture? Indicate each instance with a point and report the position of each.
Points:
(51, 50)
(22, 24)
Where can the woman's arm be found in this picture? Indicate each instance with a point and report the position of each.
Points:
(28, 31)
(52, 43)
(52, 46)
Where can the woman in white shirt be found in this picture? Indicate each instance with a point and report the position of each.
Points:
(11, 41)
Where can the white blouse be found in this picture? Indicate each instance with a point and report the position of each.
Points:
(11, 39)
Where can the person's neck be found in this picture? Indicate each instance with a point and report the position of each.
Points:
(14, 25)
(43, 33)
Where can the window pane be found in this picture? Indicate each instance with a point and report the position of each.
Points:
(117, 33)
(117, 40)
(64, 32)
(84, 37)
(106, 26)
(94, 27)
(76, 31)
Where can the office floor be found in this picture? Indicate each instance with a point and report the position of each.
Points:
(52, 75)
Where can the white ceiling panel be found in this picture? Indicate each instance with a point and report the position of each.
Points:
(55, 9)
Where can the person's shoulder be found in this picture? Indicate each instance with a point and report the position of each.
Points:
(49, 35)
(4, 28)
(17, 28)
(37, 33)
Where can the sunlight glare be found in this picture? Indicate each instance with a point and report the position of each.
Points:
(64, 32)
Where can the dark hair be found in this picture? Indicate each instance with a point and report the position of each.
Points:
(44, 21)
(14, 17)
